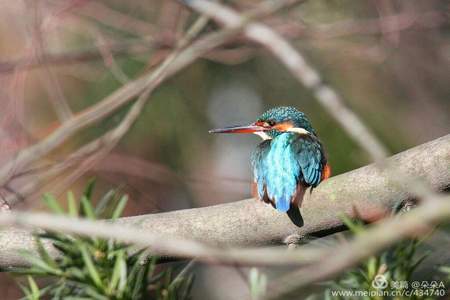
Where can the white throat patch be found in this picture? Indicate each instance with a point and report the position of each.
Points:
(302, 131)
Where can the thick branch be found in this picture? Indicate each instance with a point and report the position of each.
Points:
(366, 193)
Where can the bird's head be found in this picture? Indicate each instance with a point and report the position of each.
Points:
(274, 122)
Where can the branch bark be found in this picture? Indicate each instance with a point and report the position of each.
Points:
(367, 193)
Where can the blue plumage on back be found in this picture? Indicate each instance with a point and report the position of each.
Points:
(282, 172)
(281, 164)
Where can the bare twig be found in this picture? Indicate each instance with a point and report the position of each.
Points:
(108, 58)
(132, 46)
(103, 144)
(51, 82)
(102, 109)
(110, 139)
(389, 24)
(99, 12)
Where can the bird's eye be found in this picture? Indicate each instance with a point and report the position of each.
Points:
(271, 123)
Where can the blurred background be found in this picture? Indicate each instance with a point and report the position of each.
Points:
(389, 60)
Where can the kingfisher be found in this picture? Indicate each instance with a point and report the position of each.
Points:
(289, 159)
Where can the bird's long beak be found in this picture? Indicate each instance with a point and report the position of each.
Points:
(252, 128)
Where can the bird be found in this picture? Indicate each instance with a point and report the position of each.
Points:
(290, 158)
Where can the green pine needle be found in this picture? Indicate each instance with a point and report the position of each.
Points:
(93, 268)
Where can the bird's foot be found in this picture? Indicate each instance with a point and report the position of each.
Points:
(293, 240)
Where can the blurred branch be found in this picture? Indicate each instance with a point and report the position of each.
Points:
(138, 45)
(49, 79)
(289, 29)
(119, 48)
(300, 69)
(364, 193)
(84, 119)
(96, 11)
(178, 61)
(105, 143)
(108, 58)
(388, 24)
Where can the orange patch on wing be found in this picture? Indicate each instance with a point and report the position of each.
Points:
(326, 172)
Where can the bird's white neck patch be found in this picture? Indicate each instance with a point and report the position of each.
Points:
(263, 135)
(298, 130)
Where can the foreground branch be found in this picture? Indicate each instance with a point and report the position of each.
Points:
(366, 193)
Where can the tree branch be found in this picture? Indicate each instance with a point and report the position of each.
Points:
(100, 110)
(366, 193)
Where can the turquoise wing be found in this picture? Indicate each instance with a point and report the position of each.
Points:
(311, 159)
(258, 159)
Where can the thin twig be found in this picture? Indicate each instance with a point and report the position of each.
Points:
(108, 58)
(49, 79)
